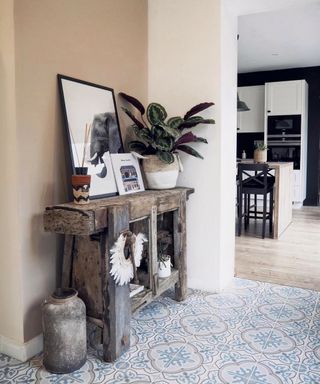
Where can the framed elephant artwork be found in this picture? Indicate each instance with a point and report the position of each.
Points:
(93, 131)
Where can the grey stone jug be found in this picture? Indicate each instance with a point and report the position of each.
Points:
(64, 331)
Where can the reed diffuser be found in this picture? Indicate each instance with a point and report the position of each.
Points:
(81, 180)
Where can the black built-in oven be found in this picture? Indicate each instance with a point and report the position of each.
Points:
(286, 150)
(284, 125)
(284, 139)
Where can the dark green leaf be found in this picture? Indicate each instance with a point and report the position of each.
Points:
(133, 101)
(164, 143)
(157, 132)
(196, 109)
(133, 118)
(195, 118)
(174, 122)
(170, 131)
(143, 133)
(189, 150)
(192, 123)
(137, 146)
(156, 113)
(166, 157)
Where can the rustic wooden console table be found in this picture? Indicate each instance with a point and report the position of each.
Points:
(90, 232)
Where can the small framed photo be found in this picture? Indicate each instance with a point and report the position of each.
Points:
(93, 132)
(127, 173)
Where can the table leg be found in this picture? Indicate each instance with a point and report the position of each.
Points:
(179, 233)
(67, 261)
(116, 300)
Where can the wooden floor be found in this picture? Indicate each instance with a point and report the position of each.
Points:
(293, 260)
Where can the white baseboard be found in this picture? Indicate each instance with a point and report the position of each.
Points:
(195, 283)
(209, 286)
(21, 351)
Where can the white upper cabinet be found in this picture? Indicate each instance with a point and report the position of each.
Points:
(284, 98)
(253, 120)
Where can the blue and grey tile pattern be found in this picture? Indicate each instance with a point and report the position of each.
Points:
(251, 333)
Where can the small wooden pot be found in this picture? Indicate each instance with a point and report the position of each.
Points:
(260, 155)
(81, 188)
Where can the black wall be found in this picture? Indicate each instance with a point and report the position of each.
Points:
(245, 141)
(312, 76)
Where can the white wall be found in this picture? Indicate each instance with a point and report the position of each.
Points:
(192, 58)
(228, 124)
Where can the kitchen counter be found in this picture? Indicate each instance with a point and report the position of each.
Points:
(283, 195)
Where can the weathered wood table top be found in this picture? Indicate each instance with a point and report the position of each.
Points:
(76, 219)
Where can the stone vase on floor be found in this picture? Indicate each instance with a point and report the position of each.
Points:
(64, 331)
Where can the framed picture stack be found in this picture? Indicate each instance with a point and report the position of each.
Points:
(94, 138)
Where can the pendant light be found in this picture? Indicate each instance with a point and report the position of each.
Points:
(241, 105)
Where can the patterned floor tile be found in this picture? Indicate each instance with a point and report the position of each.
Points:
(251, 333)
(309, 372)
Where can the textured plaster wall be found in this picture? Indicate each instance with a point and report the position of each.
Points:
(10, 257)
(101, 41)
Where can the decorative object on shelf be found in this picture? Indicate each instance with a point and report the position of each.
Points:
(80, 188)
(64, 331)
(260, 153)
(124, 269)
(241, 105)
(81, 180)
(86, 104)
(164, 260)
(161, 138)
(160, 175)
(127, 173)
(135, 289)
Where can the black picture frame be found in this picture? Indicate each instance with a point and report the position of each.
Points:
(83, 104)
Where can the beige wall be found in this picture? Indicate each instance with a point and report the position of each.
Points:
(11, 325)
(101, 41)
(191, 60)
(106, 42)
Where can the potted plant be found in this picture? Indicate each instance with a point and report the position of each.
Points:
(160, 139)
(80, 180)
(164, 260)
(260, 153)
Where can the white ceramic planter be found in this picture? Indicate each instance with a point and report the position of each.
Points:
(164, 268)
(160, 175)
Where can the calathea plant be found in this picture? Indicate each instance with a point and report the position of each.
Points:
(161, 136)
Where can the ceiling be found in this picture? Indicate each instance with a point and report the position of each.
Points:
(286, 38)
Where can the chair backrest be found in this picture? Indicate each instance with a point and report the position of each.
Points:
(257, 180)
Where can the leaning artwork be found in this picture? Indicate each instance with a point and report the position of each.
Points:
(87, 104)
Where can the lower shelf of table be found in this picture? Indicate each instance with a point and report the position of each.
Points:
(146, 296)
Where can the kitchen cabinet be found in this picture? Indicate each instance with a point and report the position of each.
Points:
(253, 120)
(290, 98)
(285, 97)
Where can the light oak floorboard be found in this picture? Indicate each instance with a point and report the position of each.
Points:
(293, 259)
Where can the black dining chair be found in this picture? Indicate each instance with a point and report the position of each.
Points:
(254, 179)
